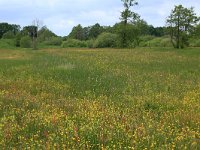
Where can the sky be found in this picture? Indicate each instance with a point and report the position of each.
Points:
(61, 16)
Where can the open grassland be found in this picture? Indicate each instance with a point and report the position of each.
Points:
(100, 99)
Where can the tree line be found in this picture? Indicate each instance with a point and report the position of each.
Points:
(182, 26)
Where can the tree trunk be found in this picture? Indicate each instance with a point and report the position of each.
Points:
(172, 36)
(178, 33)
(124, 35)
(34, 43)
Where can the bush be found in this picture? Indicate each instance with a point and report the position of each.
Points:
(166, 42)
(146, 38)
(8, 35)
(7, 43)
(54, 41)
(90, 43)
(195, 42)
(74, 43)
(106, 40)
(25, 42)
(155, 41)
(18, 39)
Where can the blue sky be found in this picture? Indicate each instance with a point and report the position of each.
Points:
(61, 15)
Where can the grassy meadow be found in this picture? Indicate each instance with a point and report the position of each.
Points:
(100, 99)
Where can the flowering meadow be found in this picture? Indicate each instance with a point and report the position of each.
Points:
(100, 99)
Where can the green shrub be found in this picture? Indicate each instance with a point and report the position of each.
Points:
(166, 42)
(197, 43)
(106, 40)
(18, 39)
(8, 35)
(54, 41)
(155, 41)
(7, 43)
(144, 40)
(25, 42)
(194, 42)
(90, 43)
(147, 38)
(74, 43)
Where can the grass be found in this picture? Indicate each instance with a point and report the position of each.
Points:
(100, 99)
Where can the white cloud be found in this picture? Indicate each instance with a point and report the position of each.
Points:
(61, 15)
(60, 24)
(100, 16)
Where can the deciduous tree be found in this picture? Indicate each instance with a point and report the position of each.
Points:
(77, 33)
(181, 23)
(5, 27)
(127, 15)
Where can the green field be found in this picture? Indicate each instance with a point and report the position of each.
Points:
(100, 99)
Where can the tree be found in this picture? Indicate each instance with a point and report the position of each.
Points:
(86, 32)
(77, 33)
(44, 34)
(181, 23)
(32, 32)
(8, 35)
(36, 25)
(132, 34)
(95, 31)
(127, 15)
(157, 31)
(142, 26)
(106, 40)
(196, 33)
(5, 27)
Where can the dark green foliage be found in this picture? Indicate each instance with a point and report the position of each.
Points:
(25, 42)
(142, 26)
(8, 35)
(44, 34)
(77, 33)
(181, 24)
(18, 39)
(196, 33)
(127, 15)
(30, 31)
(106, 40)
(132, 34)
(157, 31)
(95, 31)
(74, 43)
(5, 27)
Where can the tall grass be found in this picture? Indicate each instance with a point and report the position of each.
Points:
(100, 99)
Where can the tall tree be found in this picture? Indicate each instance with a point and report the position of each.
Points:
(95, 30)
(196, 32)
(5, 27)
(127, 15)
(36, 25)
(31, 31)
(77, 33)
(181, 23)
(45, 34)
